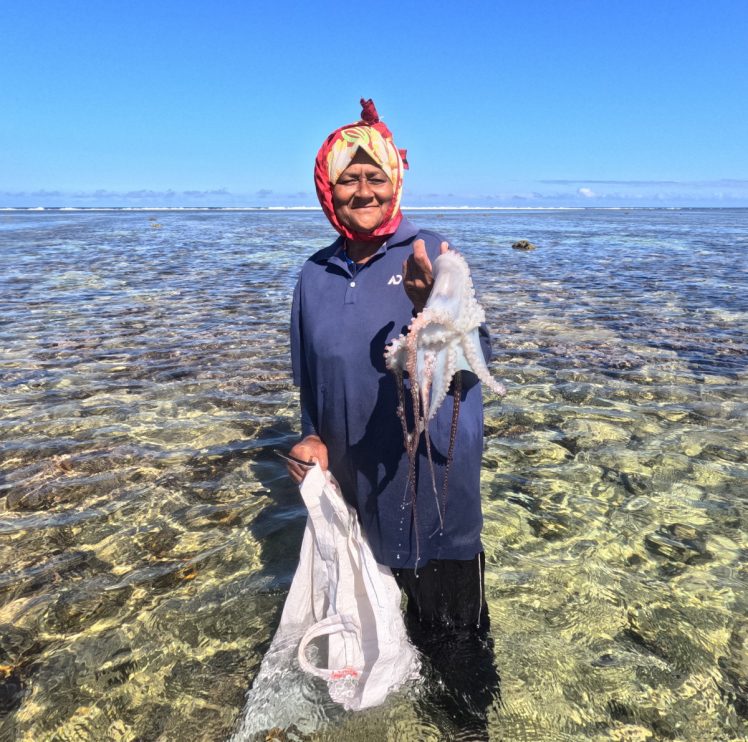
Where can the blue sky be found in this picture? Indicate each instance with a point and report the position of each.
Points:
(533, 103)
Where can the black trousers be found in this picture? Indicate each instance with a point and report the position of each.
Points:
(447, 620)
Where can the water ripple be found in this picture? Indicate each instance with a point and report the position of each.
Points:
(149, 534)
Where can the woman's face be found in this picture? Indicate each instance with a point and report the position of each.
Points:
(362, 195)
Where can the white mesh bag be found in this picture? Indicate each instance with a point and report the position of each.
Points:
(341, 621)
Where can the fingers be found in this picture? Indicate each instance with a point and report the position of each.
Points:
(417, 267)
(312, 450)
(420, 256)
(302, 452)
(321, 457)
(296, 472)
(317, 452)
(419, 251)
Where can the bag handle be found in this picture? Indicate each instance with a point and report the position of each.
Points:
(335, 624)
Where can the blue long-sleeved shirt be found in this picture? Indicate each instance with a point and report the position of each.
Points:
(340, 325)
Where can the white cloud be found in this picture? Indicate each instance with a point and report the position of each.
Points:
(586, 192)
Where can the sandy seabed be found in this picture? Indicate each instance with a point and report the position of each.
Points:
(148, 534)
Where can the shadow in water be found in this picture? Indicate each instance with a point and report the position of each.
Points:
(279, 527)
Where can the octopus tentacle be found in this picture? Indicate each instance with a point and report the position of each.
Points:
(457, 394)
(448, 359)
(401, 406)
(474, 356)
(433, 475)
(427, 375)
(440, 342)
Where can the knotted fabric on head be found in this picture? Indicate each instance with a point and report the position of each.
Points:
(375, 139)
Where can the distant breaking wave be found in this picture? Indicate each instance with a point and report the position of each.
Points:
(160, 208)
(317, 208)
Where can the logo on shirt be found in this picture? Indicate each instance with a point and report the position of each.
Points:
(396, 280)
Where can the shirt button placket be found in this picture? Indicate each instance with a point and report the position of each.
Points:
(350, 292)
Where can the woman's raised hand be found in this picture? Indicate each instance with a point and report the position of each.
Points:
(417, 274)
(310, 449)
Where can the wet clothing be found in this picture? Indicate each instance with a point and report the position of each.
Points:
(342, 318)
(447, 619)
(343, 315)
(446, 593)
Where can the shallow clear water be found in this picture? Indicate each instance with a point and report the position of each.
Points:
(148, 534)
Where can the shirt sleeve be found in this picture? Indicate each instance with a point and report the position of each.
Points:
(308, 426)
(299, 367)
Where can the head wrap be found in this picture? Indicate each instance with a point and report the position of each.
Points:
(336, 153)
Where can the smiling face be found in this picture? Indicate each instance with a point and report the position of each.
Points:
(363, 194)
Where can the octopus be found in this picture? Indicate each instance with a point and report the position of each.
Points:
(440, 342)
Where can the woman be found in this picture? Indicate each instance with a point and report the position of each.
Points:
(351, 299)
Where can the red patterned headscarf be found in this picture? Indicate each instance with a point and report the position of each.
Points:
(334, 156)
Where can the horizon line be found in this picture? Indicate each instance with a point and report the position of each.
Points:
(403, 208)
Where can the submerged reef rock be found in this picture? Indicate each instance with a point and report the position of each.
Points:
(523, 245)
(11, 689)
(679, 543)
(735, 667)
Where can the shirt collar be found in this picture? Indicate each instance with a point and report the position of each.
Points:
(405, 232)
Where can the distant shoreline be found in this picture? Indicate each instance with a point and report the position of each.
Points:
(180, 209)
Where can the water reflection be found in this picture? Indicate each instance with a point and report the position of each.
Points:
(148, 534)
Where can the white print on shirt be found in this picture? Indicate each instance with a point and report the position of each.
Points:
(396, 280)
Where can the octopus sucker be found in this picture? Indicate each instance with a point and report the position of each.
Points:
(440, 343)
